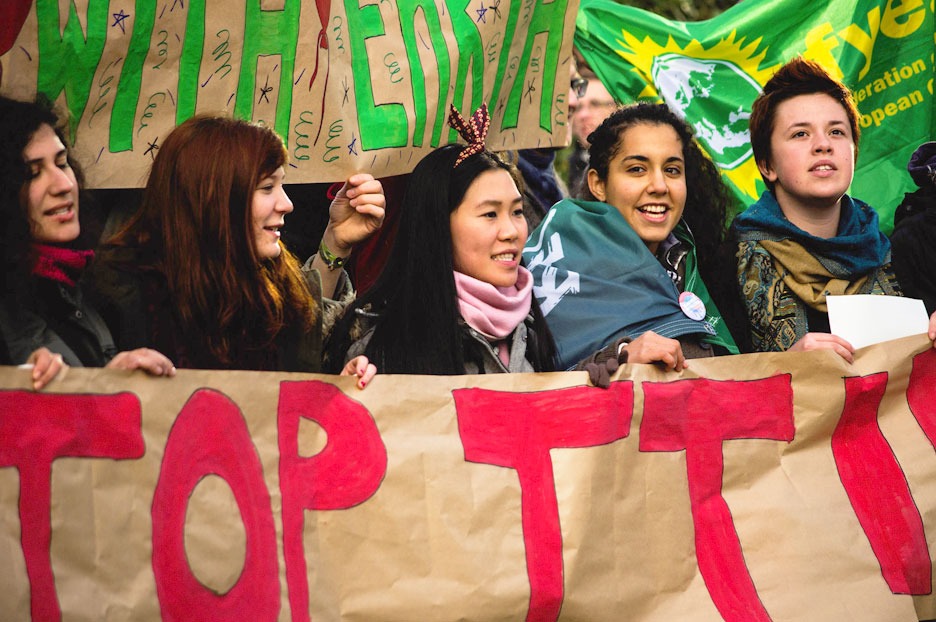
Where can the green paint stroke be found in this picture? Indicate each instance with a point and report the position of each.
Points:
(470, 52)
(504, 57)
(545, 18)
(68, 61)
(269, 33)
(131, 76)
(190, 60)
(408, 11)
(386, 123)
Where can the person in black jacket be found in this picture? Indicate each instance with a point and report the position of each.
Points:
(913, 242)
(44, 253)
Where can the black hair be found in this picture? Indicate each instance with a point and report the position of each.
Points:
(416, 330)
(19, 121)
(708, 199)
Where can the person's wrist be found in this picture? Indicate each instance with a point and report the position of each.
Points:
(330, 259)
(336, 246)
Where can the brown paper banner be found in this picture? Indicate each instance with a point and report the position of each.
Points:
(785, 487)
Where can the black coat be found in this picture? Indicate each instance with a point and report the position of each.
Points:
(913, 247)
(59, 318)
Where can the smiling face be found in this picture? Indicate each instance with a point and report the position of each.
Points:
(812, 153)
(489, 230)
(52, 193)
(646, 181)
(268, 209)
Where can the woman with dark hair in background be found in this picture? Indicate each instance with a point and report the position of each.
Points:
(453, 297)
(199, 270)
(44, 308)
(625, 270)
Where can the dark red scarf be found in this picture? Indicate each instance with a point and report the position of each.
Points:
(63, 265)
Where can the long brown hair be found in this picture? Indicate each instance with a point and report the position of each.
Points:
(195, 227)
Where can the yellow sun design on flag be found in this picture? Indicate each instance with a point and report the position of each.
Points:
(745, 57)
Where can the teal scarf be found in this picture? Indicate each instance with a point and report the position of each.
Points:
(858, 248)
(596, 281)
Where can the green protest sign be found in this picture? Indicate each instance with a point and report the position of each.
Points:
(711, 72)
(349, 86)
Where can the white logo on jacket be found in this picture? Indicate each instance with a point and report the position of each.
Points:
(545, 289)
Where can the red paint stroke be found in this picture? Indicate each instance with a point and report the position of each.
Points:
(324, 12)
(37, 428)
(878, 489)
(210, 437)
(347, 472)
(322, 45)
(921, 392)
(517, 430)
(698, 416)
(13, 15)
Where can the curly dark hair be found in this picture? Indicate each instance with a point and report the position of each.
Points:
(707, 198)
(708, 202)
(19, 121)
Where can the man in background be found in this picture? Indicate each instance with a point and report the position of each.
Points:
(586, 112)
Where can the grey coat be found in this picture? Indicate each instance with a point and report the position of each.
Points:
(477, 348)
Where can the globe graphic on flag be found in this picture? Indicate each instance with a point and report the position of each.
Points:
(714, 97)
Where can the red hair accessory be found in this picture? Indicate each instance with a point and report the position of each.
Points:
(473, 130)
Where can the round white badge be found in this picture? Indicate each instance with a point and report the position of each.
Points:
(692, 306)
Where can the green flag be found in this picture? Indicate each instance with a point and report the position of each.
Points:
(711, 72)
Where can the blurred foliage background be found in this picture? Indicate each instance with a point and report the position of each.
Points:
(683, 10)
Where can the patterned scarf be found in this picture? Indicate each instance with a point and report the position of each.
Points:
(782, 269)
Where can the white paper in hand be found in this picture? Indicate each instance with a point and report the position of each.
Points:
(865, 319)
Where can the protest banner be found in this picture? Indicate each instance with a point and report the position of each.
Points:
(349, 86)
(779, 487)
(712, 71)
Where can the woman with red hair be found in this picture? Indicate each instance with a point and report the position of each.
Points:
(200, 271)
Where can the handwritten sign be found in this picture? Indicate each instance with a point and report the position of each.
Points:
(350, 86)
(757, 487)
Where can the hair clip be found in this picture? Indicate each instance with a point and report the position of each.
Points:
(474, 130)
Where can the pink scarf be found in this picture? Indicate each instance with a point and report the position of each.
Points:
(494, 311)
(63, 265)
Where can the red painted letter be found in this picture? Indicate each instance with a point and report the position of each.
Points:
(345, 473)
(699, 415)
(878, 490)
(210, 437)
(37, 428)
(517, 430)
(921, 392)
